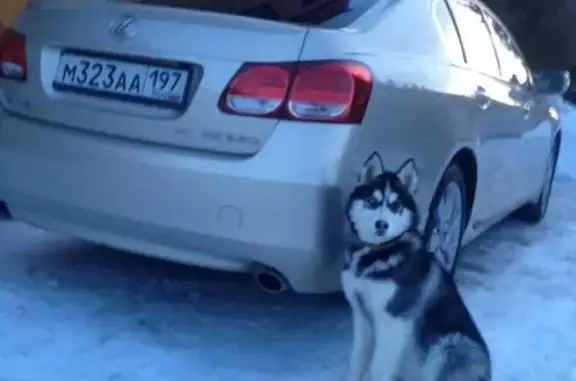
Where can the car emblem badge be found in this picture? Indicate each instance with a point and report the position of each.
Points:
(124, 29)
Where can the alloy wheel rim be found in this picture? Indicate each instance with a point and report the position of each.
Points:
(447, 229)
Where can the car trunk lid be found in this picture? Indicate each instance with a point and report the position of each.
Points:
(72, 47)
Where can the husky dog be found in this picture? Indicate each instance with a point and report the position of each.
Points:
(409, 320)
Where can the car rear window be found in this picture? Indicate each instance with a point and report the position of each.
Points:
(329, 13)
(356, 8)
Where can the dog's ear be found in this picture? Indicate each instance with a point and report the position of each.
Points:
(372, 168)
(408, 175)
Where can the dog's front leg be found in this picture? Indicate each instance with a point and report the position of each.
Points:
(362, 343)
(391, 337)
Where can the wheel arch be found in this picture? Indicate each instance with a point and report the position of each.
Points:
(465, 159)
(557, 141)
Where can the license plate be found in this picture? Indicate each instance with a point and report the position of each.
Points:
(121, 79)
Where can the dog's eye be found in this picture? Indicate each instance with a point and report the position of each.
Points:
(395, 206)
(372, 202)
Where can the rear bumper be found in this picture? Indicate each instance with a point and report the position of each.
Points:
(219, 213)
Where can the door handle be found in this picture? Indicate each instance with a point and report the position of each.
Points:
(481, 98)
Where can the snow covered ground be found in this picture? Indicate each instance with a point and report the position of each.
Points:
(73, 311)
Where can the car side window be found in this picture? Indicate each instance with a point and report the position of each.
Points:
(480, 54)
(512, 64)
(449, 32)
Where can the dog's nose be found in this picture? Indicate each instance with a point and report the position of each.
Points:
(381, 225)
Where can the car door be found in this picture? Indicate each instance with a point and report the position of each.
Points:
(497, 121)
(534, 129)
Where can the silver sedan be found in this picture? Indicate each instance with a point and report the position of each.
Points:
(231, 141)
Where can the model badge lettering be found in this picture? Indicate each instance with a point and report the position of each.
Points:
(242, 139)
(231, 138)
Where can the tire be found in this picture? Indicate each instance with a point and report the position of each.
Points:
(534, 212)
(452, 185)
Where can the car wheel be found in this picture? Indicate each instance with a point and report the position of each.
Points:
(534, 212)
(447, 218)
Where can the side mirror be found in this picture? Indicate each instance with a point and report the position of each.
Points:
(551, 82)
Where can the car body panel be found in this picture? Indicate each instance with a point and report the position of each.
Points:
(528, 128)
(510, 158)
(152, 180)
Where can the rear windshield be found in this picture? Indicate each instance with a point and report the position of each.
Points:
(355, 9)
(326, 13)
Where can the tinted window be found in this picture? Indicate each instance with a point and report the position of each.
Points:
(511, 61)
(476, 38)
(450, 35)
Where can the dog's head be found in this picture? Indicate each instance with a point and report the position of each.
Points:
(382, 207)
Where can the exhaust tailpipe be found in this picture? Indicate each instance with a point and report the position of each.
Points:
(270, 281)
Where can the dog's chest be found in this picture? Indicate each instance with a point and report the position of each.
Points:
(357, 280)
(393, 336)
(367, 261)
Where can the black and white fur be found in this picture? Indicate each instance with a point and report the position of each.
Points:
(409, 320)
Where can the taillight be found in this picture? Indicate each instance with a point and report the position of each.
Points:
(257, 90)
(321, 91)
(13, 63)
